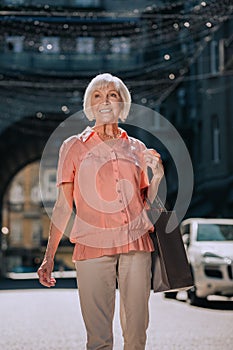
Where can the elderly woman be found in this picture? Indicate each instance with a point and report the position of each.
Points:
(104, 172)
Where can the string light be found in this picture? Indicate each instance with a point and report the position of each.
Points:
(176, 26)
(65, 109)
(187, 24)
(5, 230)
(171, 76)
(167, 57)
(39, 115)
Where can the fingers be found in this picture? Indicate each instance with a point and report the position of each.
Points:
(152, 158)
(45, 277)
(154, 161)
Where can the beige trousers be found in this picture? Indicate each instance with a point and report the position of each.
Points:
(97, 284)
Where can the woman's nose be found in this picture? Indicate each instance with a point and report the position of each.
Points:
(106, 99)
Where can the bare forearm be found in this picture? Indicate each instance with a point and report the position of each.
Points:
(153, 188)
(60, 217)
(53, 242)
(153, 160)
(59, 221)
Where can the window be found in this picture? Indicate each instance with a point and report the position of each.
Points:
(16, 197)
(225, 53)
(185, 229)
(102, 45)
(221, 54)
(159, 119)
(214, 232)
(31, 43)
(49, 185)
(16, 194)
(67, 45)
(36, 233)
(215, 138)
(120, 45)
(181, 95)
(49, 45)
(35, 194)
(14, 43)
(16, 232)
(85, 45)
(213, 57)
(228, 48)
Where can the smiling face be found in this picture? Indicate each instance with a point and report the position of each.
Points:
(106, 104)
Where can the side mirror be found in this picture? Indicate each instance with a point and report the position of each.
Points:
(186, 239)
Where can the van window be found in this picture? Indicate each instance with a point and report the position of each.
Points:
(185, 229)
(214, 232)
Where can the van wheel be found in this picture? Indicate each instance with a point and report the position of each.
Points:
(194, 299)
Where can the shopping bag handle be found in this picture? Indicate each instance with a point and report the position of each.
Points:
(159, 204)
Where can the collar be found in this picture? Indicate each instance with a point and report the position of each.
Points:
(89, 132)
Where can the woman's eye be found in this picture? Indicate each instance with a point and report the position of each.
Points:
(96, 95)
(114, 95)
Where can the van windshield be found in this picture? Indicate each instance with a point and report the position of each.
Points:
(214, 232)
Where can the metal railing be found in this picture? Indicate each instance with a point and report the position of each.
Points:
(52, 3)
(27, 61)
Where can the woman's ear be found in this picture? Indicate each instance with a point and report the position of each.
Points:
(121, 115)
(90, 116)
(122, 118)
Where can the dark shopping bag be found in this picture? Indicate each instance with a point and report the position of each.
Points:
(170, 266)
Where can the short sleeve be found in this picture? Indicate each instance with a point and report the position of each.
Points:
(144, 183)
(66, 166)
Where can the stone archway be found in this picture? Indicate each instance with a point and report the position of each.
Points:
(23, 143)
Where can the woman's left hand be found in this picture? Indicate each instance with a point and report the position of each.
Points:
(154, 161)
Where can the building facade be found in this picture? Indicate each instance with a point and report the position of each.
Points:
(201, 107)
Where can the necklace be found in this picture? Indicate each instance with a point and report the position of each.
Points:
(110, 137)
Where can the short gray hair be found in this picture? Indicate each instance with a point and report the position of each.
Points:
(103, 80)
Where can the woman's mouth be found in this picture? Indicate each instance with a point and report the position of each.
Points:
(105, 110)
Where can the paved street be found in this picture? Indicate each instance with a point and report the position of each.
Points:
(44, 319)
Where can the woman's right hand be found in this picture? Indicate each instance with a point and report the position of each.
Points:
(45, 272)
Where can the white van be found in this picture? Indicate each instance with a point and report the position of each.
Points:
(209, 244)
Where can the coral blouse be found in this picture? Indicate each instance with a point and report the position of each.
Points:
(110, 184)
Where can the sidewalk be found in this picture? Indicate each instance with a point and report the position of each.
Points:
(50, 319)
